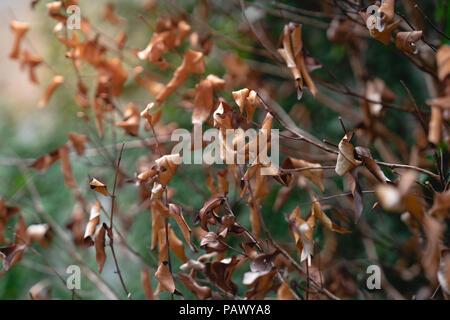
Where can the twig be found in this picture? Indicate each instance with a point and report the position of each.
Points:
(111, 240)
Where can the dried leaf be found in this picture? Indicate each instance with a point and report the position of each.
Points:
(39, 233)
(100, 254)
(346, 158)
(94, 220)
(79, 142)
(192, 63)
(404, 41)
(19, 28)
(66, 166)
(201, 292)
(352, 177)
(315, 175)
(319, 214)
(99, 187)
(56, 82)
(167, 165)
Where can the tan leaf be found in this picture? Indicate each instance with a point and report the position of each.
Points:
(19, 28)
(441, 205)
(66, 166)
(204, 98)
(315, 175)
(346, 158)
(167, 164)
(100, 254)
(79, 142)
(319, 214)
(99, 187)
(164, 276)
(405, 41)
(201, 292)
(177, 214)
(284, 293)
(56, 82)
(192, 63)
(30, 61)
(290, 48)
(94, 220)
(39, 233)
(131, 119)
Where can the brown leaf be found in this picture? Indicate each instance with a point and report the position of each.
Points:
(99, 187)
(443, 62)
(6, 212)
(167, 165)
(164, 276)
(386, 10)
(346, 158)
(315, 175)
(284, 293)
(404, 41)
(246, 100)
(303, 234)
(259, 288)
(131, 119)
(12, 254)
(177, 214)
(66, 166)
(352, 177)
(441, 205)
(94, 220)
(192, 63)
(434, 231)
(319, 214)
(213, 242)
(40, 233)
(19, 29)
(30, 61)
(204, 98)
(370, 164)
(79, 142)
(221, 272)
(201, 292)
(100, 254)
(444, 273)
(43, 163)
(207, 213)
(290, 48)
(56, 82)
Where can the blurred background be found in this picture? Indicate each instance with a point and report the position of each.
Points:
(28, 132)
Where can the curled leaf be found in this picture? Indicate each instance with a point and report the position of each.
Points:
(99, 187)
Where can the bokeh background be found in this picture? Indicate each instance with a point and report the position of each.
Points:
(27, 132)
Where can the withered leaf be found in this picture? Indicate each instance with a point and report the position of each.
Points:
(19, 28)
(79, 142)
(346, 158)
(56, 82)
(99, 187)
(319, 214)
(352, 177)
(100, 254)
(201, 292)
(94, 220)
